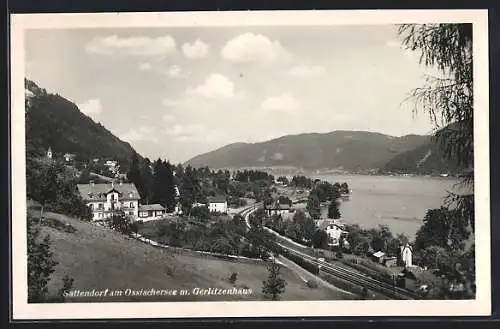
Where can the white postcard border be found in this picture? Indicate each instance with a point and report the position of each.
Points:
(24, 311)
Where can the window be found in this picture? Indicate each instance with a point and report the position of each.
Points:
(91, 206)
(131, 205)
(130, 213)
(101, 206)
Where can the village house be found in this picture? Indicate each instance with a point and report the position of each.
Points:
(149, 212)
(217, 204)
(333, 230)
(378, 257)
(277, 208)
(108, 198)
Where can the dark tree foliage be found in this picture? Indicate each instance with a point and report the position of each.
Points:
(320, 239)
(344, 188)
(283, 180)
(302, 181)
(443, 227)
(163, 184)
(50, 183)
(40, 263)
(275, 284)
(202, 213)
(448, 100)
(121, 223)
(66, 286)
(135, 177)
(313, 206)
(333, 209)
(253, 176)
(191, 190)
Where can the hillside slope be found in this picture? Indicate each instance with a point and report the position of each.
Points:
(426, 159)
(98, 258)
(348, 150)
(53, 121)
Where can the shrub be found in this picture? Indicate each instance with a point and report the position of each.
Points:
(233, 277)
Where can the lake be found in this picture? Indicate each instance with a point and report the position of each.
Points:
(397, 201)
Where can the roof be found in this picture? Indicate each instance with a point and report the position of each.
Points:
(378, 254)
(277, 206)
(217, 199)
(148, 207)
(127, 191)
(323, 224)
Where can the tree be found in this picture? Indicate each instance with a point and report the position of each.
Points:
(448, 100)
(147, 181)
(66, 287)
(283, 180)
(40, 263)
(333, 209)
(163, 184)
(49, 186)
(233, 277)
(121, 223)
(320, 239)
(275, 285)
(134, 175)
(313, 206)
(435, 257)
(344, 188)
(443, 228)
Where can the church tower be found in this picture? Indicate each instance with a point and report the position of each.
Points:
(49, 153)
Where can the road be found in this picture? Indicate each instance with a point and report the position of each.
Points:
(384, 288)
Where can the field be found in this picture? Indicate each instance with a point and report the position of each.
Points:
(98, 258)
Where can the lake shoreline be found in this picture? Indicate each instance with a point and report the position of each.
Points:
(400, 202)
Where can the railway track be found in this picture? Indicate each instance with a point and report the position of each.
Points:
(362, 280)
(384, 288)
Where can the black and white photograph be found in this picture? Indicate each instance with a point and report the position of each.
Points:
(243, 163)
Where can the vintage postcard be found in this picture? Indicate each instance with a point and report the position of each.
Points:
(244, 164)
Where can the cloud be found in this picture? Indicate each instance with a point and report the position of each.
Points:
(91, 108)
(216, 86)
(136, 46)
(168, 117)
(304, 71)
(143, 133)
(251, 47)
(145, 66)
(174, 71)
(194, 133)
(188, 129)
(170, 102)
(197, 49)
(281, 103)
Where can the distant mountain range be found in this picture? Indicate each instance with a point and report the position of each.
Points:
(55, 122)
(425, 159)
(350, 151)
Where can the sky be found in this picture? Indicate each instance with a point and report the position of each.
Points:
(177, 92)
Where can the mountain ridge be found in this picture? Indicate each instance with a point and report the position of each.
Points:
(339, 149)
(56, 122)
